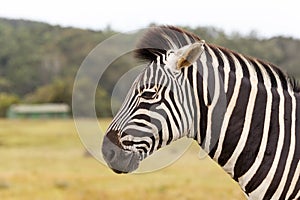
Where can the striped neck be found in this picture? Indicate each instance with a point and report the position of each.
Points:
(246, 112)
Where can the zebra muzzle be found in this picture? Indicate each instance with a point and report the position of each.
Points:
(116, 157)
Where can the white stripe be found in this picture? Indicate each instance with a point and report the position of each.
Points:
(172, 44)
(145, 78)
(229, 110)
(211, 108)
(183, 121)
(226, 71)
(175, 131)
(203, 60)
(139, 128)
(156, 77)
(122, 116)
(136, 139)
(150, 78)
(160, 118)
(188, 103)
(187, 38)
(229, 166)
(297, 195)
(195, 86)
(165, 131)
(148, 124)
(173, 110)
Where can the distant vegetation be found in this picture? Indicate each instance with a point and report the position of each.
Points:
(38, 62)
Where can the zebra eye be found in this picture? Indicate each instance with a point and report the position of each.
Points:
(149, 94)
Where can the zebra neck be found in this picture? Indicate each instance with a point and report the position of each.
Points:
(245, 115)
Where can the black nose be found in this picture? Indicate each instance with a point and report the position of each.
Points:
(119, 160)
(111, 146)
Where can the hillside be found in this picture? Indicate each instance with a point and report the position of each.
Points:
(38, 62)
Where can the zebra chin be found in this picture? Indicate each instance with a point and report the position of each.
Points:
(118, 159)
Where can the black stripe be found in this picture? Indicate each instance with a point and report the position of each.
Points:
(153, 144)
(250, 151)
(180, 38)
(229, 58)
(211, 76)
(159, 76)
(243, 65)
(128, 109)
(213, 150)
(217, 119)
(296, 190)
(220, 107)
(236, 123)
(220, 61)
(170, 108)
(193, 100)
(269, 154)
(131, 143)
(282, 77)
(185, 112)
(138, 124)
(175, 103)
(143, 149)
(258, 72)
(136, 133)
(188, 86)
(271, 75)
(149, 71)
(167, 117)
(203, 108)
(156, 123)
(168, 123)
(162, 112)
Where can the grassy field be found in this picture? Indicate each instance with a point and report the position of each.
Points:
(44, 159)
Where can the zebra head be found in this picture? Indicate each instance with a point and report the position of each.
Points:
(155, 111)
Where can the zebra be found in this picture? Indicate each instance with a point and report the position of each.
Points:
(243, 111)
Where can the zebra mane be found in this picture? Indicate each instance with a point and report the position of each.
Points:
(158, 40)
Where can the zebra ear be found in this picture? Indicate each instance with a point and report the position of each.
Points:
(189, 54)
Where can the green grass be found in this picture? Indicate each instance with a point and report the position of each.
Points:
(44, 159)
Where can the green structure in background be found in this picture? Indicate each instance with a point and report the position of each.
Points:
(38, 111)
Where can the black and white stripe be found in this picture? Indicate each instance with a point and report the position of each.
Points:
(244, 112)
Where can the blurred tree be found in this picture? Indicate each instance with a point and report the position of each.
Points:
(59, 91)
(6, 100)
(38, 62)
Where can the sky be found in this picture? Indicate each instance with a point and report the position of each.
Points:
(266, 17)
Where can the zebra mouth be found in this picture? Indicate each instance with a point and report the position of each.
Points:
(117, 158)
(132, 165)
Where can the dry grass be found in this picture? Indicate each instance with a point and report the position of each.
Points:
(45, 160)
